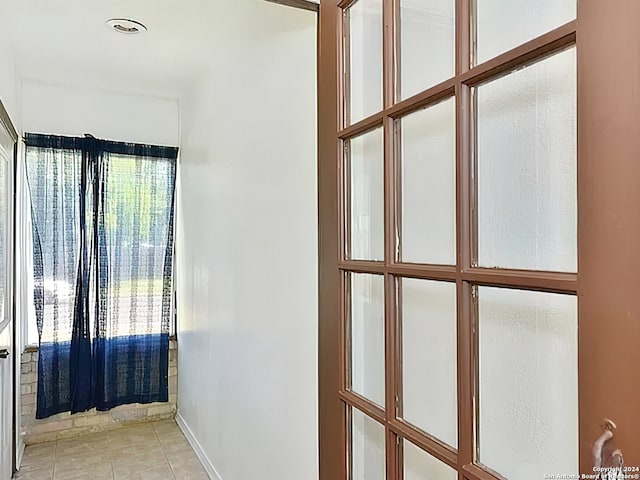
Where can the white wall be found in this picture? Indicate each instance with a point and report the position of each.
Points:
(247, 249)
(75, 110)
(8, 91)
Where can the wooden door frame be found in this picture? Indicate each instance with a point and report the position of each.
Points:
(607, 287)
(302, 4)
(331, 414)
(608, 224)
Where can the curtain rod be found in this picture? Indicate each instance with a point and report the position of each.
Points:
(111, 146)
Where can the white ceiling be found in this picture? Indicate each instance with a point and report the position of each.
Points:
(67, 41)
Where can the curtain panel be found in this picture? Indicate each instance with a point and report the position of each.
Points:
(103, 216)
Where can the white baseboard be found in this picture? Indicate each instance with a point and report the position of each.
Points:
(206, 463)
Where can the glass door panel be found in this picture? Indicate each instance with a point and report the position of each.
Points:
(367, 459)
(428, 322)
(528, 382)
(427, 44)
(428, 185)
(366, 335)
(504, 24)
(527, 167)
(419, 465)
(363, 59)
(365, 197)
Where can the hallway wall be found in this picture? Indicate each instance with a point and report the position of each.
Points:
(247, 249)
(8, 89)
(112, 115)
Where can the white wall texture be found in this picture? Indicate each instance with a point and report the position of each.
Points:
(8, 90)
(247, 249)
(112, 115)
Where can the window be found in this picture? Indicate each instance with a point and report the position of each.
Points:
(102, 239)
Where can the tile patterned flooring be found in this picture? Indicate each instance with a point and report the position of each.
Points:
(148, 451)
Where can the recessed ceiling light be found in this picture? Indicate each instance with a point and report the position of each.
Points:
(125, 25)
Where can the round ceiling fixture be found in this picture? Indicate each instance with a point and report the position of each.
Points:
(126, 25)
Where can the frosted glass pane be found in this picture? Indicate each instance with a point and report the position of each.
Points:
(526, 157)
(528, 410)
(6, 158)
(428, 185)
(427, 44)
(429, 391)
(366, 193)
(367, 448)
(367, 336)
(419, 465)
(363, 21)
(504, 24)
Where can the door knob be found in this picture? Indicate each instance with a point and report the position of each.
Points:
(4, 353)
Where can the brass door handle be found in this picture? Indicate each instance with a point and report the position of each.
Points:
(4, 353)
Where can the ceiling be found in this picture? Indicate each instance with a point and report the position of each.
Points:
(67, 41)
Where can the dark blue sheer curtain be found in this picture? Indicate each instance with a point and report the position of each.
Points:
(102, 215)
(54, 170)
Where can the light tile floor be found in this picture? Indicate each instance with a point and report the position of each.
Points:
(148, 451)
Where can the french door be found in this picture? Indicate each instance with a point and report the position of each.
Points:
(8, 139)
(479, 228)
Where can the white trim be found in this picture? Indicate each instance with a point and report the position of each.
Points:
(206, 463)
(20, 453)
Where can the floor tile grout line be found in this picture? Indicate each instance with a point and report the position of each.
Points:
(113, 469)
(155, 432)
(55, 458)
